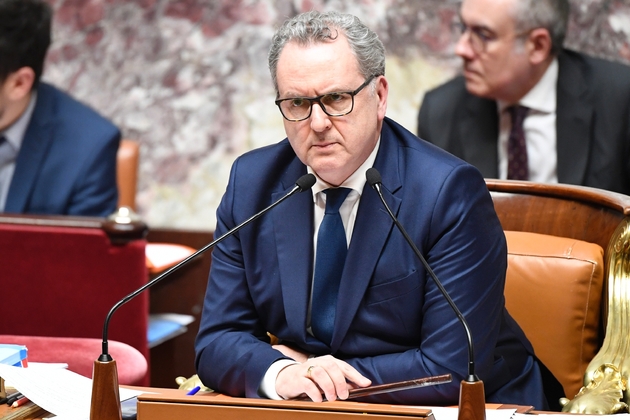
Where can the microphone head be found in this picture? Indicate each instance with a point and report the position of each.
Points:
(305, 182)
(373, 177)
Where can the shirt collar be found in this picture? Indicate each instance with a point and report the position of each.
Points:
(15, 133)
(356, 181)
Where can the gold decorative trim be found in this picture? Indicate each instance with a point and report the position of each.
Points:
(605, 389)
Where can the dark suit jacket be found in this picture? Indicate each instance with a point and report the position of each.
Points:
(593, 123)
(67, 162)
(392, 322)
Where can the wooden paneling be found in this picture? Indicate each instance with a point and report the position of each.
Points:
(182, 292)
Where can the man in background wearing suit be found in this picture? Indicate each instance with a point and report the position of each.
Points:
(378, 317)
(57, 156)
(576, 108)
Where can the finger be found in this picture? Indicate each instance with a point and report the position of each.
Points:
(340, 374)
(312, 391)
(338, 380)
(321, 377)
(292, 382)
(354, 376)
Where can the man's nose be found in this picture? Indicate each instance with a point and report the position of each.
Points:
(320, 121)
(463, 47)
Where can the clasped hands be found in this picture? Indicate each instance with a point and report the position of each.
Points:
(325, 375)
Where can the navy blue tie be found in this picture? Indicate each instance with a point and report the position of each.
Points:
(329, 261)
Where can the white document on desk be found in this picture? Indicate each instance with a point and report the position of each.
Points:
(61, 392)
(452, 413)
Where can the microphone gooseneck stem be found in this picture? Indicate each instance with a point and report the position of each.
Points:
(302, 184)
(374, 179)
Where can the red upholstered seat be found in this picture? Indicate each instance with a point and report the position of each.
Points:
(80, 354)
(63, 274)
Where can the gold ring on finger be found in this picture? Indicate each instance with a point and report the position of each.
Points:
(308, 371)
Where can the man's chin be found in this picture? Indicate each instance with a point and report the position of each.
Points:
(330, 174)
(477, 89)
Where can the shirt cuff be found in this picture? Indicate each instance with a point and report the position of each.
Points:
(268, 385)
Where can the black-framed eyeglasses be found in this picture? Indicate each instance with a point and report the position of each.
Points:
(334, 104)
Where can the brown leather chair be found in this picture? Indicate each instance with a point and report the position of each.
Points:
(127, 161)
(568, 262)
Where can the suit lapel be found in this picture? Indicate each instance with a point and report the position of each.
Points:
(479, 131)
(574, 116)
(371, 229)
(37, 141)
(293, 227)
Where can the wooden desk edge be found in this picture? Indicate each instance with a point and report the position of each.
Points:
(213, 398)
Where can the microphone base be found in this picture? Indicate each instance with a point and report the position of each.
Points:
(105, 395)
(472, 400)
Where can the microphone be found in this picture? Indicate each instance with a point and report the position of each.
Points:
(472, 400)
(105, 404)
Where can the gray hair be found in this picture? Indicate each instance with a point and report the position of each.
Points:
(314, 27)
(552, 15)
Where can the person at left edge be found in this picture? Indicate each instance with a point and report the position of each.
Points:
(391, 322)
(57, 155)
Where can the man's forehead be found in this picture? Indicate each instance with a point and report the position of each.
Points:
(296, 45)
(316, 56)
(487, 13)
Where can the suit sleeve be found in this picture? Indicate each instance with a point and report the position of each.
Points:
(232, 346)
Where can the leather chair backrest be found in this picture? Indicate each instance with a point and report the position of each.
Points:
(127, 161)
(552, 289)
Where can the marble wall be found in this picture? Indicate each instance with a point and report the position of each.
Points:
(189, 80)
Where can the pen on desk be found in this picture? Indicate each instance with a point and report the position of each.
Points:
(391, 387)
(13, 398)
(19, 402)
(194, 390)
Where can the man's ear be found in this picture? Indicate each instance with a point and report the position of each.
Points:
(382, 90)
(539, 45)
(18, 84)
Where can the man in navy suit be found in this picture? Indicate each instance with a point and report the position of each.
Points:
(391, 323)
(57, 156)
(576, 128)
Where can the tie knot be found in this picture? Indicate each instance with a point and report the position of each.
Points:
(518, 114)
(335, 198)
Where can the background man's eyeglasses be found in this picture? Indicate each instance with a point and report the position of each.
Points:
(334, 104)
(479, 37)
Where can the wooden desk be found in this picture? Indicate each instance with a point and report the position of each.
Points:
(27, 411)
(161, 403)
(167, 404)
(170, 404)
